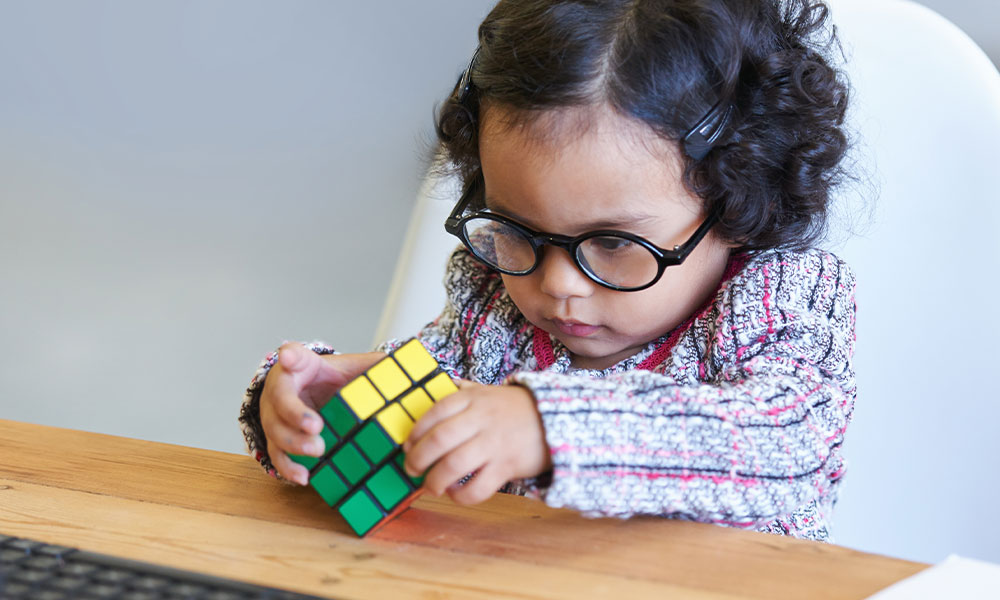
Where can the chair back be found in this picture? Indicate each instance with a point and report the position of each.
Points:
(923, 478)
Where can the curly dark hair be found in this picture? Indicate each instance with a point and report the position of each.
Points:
(769, 177)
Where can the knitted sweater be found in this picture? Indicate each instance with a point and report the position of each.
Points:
(735, 418)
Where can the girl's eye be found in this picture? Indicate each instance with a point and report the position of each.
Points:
(610, 244)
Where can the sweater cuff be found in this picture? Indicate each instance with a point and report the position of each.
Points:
(558, 486)
(576, 437)
(249, 419)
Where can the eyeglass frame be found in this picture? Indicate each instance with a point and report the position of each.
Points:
(455, 225)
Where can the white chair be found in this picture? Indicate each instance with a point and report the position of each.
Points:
(924, 478)
(924, 448)
(416, 294)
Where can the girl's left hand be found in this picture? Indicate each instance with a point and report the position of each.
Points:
(494, 431)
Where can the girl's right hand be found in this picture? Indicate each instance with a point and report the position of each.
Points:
(296, 387)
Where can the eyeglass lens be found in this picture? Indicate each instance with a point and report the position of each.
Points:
(614, 260)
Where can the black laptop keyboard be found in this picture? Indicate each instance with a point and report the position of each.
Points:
(32, 569)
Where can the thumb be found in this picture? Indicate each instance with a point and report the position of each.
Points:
(304, 366)
(318, 377)
(293, 357)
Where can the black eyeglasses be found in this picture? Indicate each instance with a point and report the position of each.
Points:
(614, 259)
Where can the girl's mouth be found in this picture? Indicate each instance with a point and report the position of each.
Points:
(575, 328)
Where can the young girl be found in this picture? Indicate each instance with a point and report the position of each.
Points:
(640, 320)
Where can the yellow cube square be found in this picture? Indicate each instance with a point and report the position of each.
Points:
(440, 386)
(415, 359)
(389, 378)
(396, 422)
(417, 403)
(362, 397)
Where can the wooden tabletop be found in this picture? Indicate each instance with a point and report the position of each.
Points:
(219, 513)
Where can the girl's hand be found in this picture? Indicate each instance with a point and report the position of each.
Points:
(494, 431)
(298, 385)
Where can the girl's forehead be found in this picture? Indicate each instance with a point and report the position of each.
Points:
(543, 131)
(564, 173)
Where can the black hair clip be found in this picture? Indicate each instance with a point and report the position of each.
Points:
(465, 83)
(703, 136)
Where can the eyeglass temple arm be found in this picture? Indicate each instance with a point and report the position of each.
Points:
(451, 223)
(681, 252)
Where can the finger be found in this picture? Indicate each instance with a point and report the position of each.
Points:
(331, 372)
(441, 439)
(280, 403)
(283, 386)
(442, 410)
(455, 465)
(486, 482)
(303, 381)
(287, 468)
(290, 438)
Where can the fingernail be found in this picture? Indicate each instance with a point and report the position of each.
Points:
(315, 446)
(310, 423)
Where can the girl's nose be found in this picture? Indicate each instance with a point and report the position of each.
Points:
(559, 275)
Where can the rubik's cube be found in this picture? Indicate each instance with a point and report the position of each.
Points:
(364, 426)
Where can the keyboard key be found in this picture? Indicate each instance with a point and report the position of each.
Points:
(148, 583)
(139, 595)
(112, 576)
(52, 550)
(25, 545)
(224, 595)
(103, 590)
(188, 589)
(42, 563)
(78, 569)
(67, 583)
(16, 590)
(29, 576)
(12, 556)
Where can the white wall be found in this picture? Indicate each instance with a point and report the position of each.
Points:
(980, 19)
(185, 184)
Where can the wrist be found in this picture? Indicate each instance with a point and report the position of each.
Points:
(542, 463)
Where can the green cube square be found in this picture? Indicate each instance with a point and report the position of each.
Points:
(340, 418)
(400, 459)
(350, 463)
(361, 512)
(373, 442)
(329, 485)
(388, 486)
(306, 461)
(330, 439)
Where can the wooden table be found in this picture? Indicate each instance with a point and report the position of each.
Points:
(219, 513)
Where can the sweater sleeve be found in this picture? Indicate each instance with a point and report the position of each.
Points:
(756, 435)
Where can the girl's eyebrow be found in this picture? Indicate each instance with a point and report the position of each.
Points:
(615, 222)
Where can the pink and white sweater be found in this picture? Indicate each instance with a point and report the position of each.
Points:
(735, 418)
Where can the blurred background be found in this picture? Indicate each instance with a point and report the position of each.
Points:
(186, 184)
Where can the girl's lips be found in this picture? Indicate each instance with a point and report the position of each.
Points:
(575, 328)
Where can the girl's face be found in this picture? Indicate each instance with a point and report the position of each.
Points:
(576, 170)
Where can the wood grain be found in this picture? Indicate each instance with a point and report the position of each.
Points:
(184, 506)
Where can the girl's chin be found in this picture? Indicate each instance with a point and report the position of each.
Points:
(588, 356)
